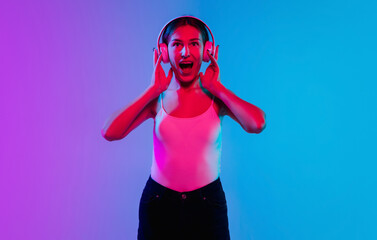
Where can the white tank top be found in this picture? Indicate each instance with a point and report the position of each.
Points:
(186, 151)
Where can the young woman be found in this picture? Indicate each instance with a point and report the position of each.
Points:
(183, 197)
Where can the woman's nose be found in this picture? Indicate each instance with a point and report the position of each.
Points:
(185, 51)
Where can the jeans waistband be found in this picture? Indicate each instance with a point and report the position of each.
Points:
(213, 186)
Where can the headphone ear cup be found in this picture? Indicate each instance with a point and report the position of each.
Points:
(208, 46)
(164, 52)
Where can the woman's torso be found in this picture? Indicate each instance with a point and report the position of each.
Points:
(187, 139)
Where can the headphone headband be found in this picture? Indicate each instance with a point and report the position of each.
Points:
(209, 30)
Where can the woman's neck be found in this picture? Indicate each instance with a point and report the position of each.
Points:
(185, 86)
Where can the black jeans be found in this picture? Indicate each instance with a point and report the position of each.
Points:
(165, 214)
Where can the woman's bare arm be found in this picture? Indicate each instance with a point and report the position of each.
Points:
(123, 121)
(251, 118)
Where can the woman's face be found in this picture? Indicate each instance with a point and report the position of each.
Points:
(186, 52)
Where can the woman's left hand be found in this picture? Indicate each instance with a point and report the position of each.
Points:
(211, 77)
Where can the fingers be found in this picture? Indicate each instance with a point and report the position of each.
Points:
(158, 59)
(154, 56)
(213, 60)
(217, 52)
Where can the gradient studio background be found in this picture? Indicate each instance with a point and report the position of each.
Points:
(66, 66)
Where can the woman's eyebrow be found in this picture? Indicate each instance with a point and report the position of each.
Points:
(178, 40)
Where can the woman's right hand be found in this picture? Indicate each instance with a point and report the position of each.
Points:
(159, 80)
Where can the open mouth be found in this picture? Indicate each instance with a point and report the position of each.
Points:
(186, 65)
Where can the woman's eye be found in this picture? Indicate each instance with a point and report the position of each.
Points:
(175, 44)
(195, 43)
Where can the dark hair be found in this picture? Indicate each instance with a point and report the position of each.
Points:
(172, 26)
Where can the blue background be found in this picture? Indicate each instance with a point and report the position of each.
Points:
(66, 66)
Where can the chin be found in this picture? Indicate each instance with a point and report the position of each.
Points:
(188, 78)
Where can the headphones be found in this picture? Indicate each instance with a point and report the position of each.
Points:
(163, 48)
